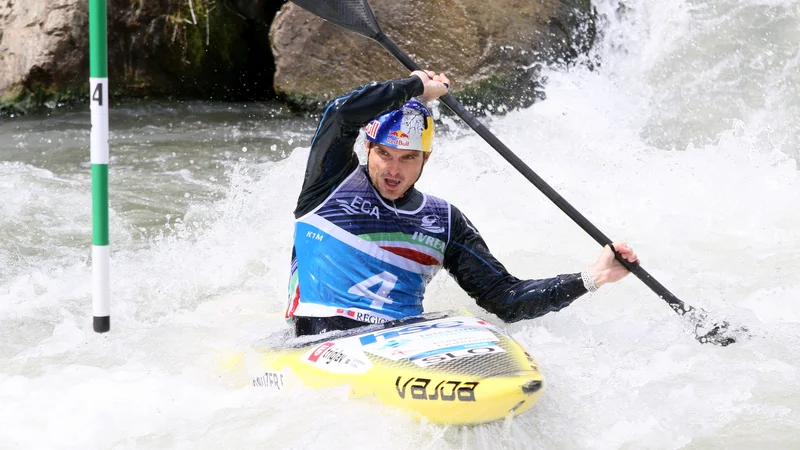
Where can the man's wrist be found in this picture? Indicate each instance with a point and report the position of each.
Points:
(419, 85)
(588, 280)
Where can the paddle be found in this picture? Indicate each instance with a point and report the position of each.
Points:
(356, 15)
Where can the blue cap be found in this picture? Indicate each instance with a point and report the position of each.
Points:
(407, 128)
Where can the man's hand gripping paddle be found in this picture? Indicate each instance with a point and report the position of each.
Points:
(356, 15)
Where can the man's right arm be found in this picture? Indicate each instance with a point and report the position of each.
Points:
(332, 157)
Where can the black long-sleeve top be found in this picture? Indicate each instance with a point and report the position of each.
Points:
(467, 258)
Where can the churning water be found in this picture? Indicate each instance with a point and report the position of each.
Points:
(682, 142)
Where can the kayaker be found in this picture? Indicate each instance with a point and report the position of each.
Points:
(367, 242)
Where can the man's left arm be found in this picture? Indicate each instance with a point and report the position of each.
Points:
(485, 279)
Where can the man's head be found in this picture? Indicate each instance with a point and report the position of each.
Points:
(398, 146)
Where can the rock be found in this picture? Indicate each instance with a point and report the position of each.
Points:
(218, 49)
(163, 48)
(489, 49)
(42, 44)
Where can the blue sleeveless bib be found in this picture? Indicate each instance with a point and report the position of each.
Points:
(357, 257)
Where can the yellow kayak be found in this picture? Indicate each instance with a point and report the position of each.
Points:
(448, 369)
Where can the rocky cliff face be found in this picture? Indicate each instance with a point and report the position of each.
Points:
(42, 43)
(223, 49)
(178, 48)
(489, 49)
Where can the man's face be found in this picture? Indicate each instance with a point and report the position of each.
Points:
(393, 171)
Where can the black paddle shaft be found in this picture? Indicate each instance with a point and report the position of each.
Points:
(679, 306)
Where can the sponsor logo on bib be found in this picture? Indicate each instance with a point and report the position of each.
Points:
(429, 224)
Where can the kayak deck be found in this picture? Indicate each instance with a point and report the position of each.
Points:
(449, 370)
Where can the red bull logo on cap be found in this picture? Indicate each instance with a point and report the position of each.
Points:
(401, 141)
(399, 134)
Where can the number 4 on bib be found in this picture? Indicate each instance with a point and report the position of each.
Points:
(387, 282)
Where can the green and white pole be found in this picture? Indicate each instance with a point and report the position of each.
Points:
(98, 82)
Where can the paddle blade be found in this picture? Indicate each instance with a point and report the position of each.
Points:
(355, 15)
(707, 330)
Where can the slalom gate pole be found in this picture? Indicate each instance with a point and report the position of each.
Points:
(98, 92)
